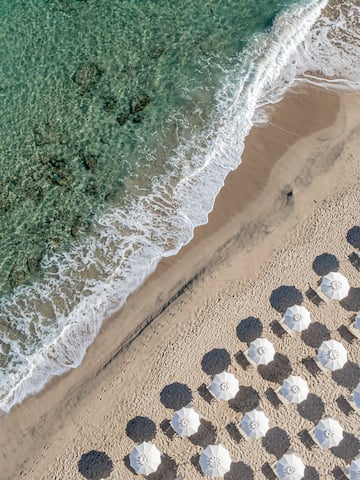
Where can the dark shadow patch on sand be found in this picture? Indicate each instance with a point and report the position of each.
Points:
(338, 474)
(306, 439)
(167, 469)
(276, 442)
(325, 263)
(242, 360)
(344, 405)
(284, 297)
(352, 301)
(267, 471)
(277, 370)
(205, 394)
(167, 429)
(245, 400)
(311, 366)
(354, 259)
(312, 408)
(249, 329)
(141, 429)
(353, 236)
(346, 334)
(311, 473)
(215, 361)
(277, 329)
(348, 376)
(272, 397)
(206, 435)
(95, 465)
(195, 461)
(315, 335)
(239, 470)
(234, 432)
(313, 297)
(348, 448)
(175, 396)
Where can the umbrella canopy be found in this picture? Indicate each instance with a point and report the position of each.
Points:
(255, 424)
(357, 321)
(261, 351)
(297, 318)
(328, 432)
(335, 286)
(295, 389)
(185, 422)
(332, 355)
(290, 467)
(145, 458)
(356, 395)
(224, 386)
(215, 461)
(354, 469)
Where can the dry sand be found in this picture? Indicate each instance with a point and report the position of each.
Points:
(260, 251)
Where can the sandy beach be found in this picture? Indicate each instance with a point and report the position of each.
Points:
(281, 221)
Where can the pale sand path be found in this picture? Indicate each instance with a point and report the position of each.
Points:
(273, 243)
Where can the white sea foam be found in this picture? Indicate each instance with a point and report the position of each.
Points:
(60, 316)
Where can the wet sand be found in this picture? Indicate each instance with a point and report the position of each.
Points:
(294, 198)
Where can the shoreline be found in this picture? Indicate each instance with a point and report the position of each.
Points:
(254, 202)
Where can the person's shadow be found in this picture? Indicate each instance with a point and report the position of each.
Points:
(95, 465)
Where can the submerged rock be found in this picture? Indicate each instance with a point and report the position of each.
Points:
(137, 119)
(138, 104)
(87, 75)
(122, 118)
(91, 189)
(57, 171)
(16, 276)
(88, 160)
(156, 52)
(110, 103)
(47, 134)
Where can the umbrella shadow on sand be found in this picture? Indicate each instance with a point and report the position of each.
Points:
(245, 400)
(176, 396)
(167, 469)
(347, 448)
(312, 408)
(284, 297)
(239, 470)
(352, 301)
(277, 370)
(353, 237)
(141, 429)
(95, 465)
(216, 361)
(315, 335)
(348, 376)
(206, 435)
(325, 263)
(249, 329)
(276, 442)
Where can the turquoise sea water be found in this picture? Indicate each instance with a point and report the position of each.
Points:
(120, 121)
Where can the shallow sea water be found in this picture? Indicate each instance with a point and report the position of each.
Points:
(120, 122)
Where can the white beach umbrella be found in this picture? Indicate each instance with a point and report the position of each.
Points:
(255, 424)
(215, 461)
(356, 395)
(185, 422)
(224, 386)
(295, 389)
(297, 318)
(290, 467)
(332, 355)
(261, 351)
(328, 432)
(354, 469)
(145, 458)
(335, 286)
